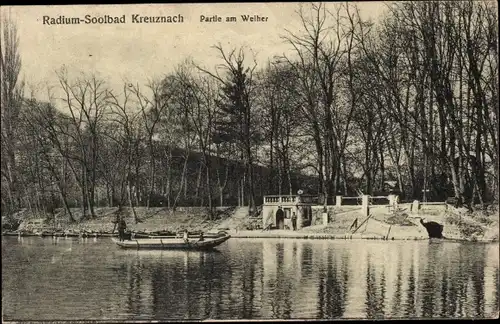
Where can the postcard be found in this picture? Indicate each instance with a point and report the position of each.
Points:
(250, 161)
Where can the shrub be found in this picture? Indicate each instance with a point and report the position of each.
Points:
(468, 230)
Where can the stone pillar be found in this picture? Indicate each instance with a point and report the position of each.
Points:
(365, 209)
(338, 201)
(393, 202)
(415, 206)
(325, 218)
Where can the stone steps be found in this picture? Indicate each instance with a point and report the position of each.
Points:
(239, 216)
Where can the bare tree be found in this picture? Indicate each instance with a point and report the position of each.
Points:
(238, 86)
(11, 101)
(152, 109)
(203, 93)
(324, 52)
(129, 139)
(87, 101)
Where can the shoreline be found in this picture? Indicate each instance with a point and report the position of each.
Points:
(365, 238)
(281, 235)
(274, 234)
(381, 225)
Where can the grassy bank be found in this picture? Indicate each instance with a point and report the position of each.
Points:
(479, 225)
(383, 223)
(149, 219)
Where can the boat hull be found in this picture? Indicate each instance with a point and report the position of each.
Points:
(59, 234)
(174, 236)
(171, 243)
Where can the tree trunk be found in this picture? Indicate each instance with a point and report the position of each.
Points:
(221, 185)
(169, 177)
(184, 169)
(198, 182)
(209, 186)
(152, 171)
(84, 193)
(66, 206)
(131, 205)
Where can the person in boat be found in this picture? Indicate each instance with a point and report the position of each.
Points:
(122, 226)
(201, 239)
(294, 221)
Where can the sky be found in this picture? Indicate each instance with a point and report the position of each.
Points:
(134, 52)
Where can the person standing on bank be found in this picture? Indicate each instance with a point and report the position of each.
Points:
(294, 221)
(121, 228)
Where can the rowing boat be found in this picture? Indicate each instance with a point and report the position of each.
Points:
(172, 243)
(59, 234)
(144, 235)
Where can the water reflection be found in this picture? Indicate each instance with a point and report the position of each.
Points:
(374, 292)
(332, 288)
(77, 279)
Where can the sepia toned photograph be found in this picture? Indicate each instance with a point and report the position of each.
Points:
(250, 161)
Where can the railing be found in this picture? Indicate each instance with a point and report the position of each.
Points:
(358, 200)
(290, 199)
(392, 200)
(433, 203)
(310, 199)
(272, 199)
(416, 205)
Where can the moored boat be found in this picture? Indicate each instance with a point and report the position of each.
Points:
(172, 243)
(59, 234)
(20, 233)
(171, 235)
(9, 233)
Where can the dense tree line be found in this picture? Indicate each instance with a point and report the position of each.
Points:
(412, 98)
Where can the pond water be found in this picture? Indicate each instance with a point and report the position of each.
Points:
(92, 279)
